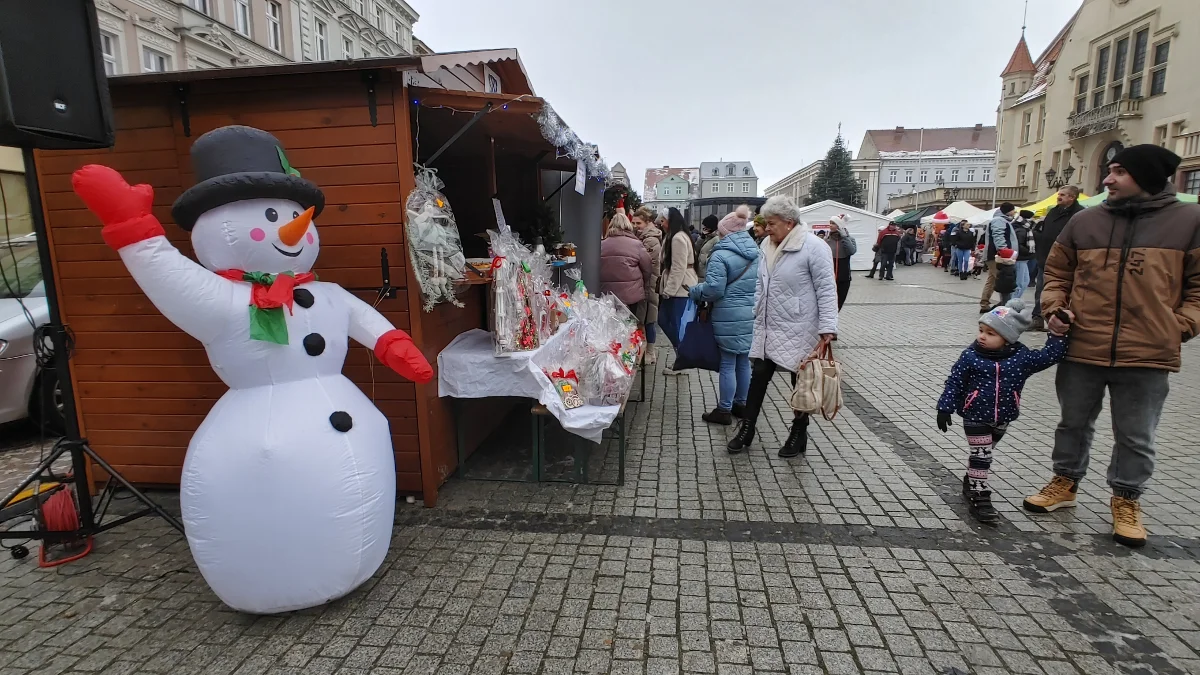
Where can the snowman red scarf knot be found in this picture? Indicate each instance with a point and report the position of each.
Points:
(293, 452)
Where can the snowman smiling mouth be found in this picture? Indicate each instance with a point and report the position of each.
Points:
(293, 232)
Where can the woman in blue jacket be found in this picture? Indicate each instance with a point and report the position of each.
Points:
(729, 284)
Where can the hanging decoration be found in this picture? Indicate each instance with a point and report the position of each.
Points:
(433, 241)
(555, 131)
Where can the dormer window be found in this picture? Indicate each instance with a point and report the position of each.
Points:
(745, 171)
(716, 172)
(730, 169)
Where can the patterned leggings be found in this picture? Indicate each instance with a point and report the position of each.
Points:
(982, 439)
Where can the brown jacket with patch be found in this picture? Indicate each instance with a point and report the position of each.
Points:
(1131, 275)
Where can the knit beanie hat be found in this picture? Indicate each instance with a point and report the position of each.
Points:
(840, 220)
(1010, 320)
(734, 221)
(1026, 214)
(1149, 165)
(1006, 256)
(709, 224)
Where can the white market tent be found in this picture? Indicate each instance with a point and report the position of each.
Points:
(895, 214)
(983, 217)
(864, 227)
(957, 211)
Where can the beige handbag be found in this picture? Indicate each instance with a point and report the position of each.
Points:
(818, 385)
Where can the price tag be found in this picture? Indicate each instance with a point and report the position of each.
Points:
(580, 176)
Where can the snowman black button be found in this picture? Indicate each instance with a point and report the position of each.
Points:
(314, 344)
(303, 297)
(341, 421)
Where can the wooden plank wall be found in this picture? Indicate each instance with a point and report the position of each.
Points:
(142, 386)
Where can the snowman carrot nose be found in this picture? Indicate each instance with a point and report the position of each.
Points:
(291, 233)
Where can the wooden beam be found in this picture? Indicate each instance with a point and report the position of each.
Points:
(471, 101)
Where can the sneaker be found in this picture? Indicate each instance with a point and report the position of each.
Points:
(1127, 522)
(797, 440)
(739, 410)
(742, 439)
(1059, 493)
(718, 416)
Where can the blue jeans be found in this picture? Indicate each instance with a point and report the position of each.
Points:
(651, 334)
(1026, 273)
(958, 262)
(734, 380)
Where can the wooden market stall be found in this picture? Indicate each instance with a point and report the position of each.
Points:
(355, 129)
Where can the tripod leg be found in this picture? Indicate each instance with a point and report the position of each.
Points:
(136, 492)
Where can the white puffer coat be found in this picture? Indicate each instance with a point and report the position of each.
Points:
(796, 299)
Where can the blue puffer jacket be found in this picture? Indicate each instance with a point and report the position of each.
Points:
(733, 303)
(985, 386)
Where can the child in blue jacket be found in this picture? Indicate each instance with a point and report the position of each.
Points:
(985, 386)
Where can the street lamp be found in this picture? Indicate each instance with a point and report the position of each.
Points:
(1054, 180)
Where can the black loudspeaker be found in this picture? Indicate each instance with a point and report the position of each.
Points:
(53, 89)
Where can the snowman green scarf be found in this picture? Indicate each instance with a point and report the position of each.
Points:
(269, 294)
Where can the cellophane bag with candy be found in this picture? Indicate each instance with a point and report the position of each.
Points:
(517, 302)
(434, 246)
(563, 360)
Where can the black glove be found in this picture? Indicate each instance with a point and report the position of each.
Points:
(944, 420)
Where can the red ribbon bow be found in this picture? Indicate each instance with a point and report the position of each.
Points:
(568, 375)
(277, 293)
(497, 261)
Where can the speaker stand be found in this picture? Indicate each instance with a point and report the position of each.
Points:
(72, 442)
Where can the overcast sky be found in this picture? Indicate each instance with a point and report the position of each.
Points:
(676, 83)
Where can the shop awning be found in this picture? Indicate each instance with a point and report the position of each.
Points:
(1097, 200)
(1039, 209)
(914, 217)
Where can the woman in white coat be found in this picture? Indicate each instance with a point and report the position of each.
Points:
(795, 313)
(677, 277)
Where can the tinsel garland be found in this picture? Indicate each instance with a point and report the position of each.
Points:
(555, 131)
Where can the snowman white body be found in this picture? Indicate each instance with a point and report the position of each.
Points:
(282, 511)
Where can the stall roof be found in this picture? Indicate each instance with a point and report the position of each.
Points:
(506, 62)
(915, 215)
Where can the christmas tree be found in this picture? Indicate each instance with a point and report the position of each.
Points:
(836, 180)
(614, 193)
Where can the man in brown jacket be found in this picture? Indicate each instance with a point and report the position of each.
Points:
(1126, 275)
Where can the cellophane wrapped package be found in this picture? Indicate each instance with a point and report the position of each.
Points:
(518, 303)
(434, 246)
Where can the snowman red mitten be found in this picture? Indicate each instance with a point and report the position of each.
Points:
(397, 351)
(123, 208)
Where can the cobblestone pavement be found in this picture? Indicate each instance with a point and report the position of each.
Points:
(857, 557)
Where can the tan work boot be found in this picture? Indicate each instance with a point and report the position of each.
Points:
(1127, 522)
(1059, 493)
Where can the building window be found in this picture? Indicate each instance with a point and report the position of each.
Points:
(1191, 182)
(322, 41)
(1026, 126)
(1114, 94)
(679, 189)
(360, 6)
(745, 171)
(954, 175)
(366, 53)
(924, 175)
(1041, 121)
(1158, 76)
(396, 26)
(715, 172)
(1020, 174)
(1037, 171)
(715, 186)
(199, 5)
(892, 175)
(729, 188)
(1160, 136)
(745, 187)
(1139, 51)
(274, 25)
(987, 175)
(730, 169)
(108, 49)
(1102, 65)
(908, 175)
(155, 61)
(1120, 58)
(379, 23)
(347, 48)
(241, 16)
(937, 176)
(970, 175)
(1081, 89)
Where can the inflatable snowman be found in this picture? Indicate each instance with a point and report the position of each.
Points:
(289, 485)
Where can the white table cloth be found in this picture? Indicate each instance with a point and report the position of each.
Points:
(469, 368)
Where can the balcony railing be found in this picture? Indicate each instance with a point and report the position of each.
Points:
(1187, 146)
(1104, 118)
(976, 196)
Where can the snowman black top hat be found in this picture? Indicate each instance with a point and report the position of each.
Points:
(236, 163)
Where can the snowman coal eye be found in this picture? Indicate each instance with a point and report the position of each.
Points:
(272, 215)
(295, 214)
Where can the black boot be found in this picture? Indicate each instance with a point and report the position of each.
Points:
(718, 416)
(979, 504)
(739, 410)
(797, 441)
(742, 439)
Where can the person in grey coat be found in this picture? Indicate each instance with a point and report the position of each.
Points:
(843, 245)
(795, 313)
